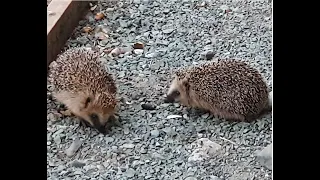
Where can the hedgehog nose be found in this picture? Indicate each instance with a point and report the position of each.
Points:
(102, 130)
(169, 99)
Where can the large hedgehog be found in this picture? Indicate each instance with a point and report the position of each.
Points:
(229, 89)
(83, 85)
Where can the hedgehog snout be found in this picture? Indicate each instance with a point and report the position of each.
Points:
(97, 124)
(101, 129)
(171, 97)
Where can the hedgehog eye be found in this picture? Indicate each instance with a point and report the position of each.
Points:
(88, 100)
(176, 93)
(94, 117)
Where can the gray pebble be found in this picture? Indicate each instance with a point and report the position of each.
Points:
(166, 11)
(148, 106)
(76, 144)
(57, 139)
(265, 156)
(78, 164)
(205, 116)
(210, 55)
(168, 31)
(214, 178)
(109, 139)
(130, 172)
(128, 146)
(154, 133)
(82, 40)
(190, 178)
(224, 7)
(143, 151)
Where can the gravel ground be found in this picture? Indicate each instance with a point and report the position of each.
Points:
(151, 145)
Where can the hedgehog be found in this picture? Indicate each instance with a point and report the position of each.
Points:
(82, 84)
(229, 89)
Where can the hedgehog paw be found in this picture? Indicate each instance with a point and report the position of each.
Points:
(84, 123)
(66, 113)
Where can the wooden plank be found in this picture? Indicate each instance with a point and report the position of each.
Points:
(62, 18)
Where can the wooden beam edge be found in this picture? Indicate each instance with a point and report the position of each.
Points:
(62, 18)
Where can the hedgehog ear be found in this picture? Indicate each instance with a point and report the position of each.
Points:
(186, 84)
(88, 100)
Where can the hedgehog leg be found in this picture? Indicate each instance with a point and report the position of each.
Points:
(250, 118)
(67, 112)
(237, 117)
(199, 110)
(231, 117)
(84, 123)
(81, 124)
(253, 117)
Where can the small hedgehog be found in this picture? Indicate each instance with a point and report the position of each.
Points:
(83, 85)
(229, 89)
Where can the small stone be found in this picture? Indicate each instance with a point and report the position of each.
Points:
(224, 7)
(99, 16)
(77, 173)
(265, 157)
(121, 74)
(101, 35)
(205, 149)
(82, 40)
(166, 11)
(135, 163)
(173, 116)
(148, 106)
(190, 178)
(118, 51)
(123, 24)
(128, 146)
(168, 31)
(130, 172)
(154, 133)
(109, 9)
(51, 117)
(145, 1)
(100, 167)
(78, 164)
(143, 151)
(205, 116)
(209, 55)
(138, 51)
(138, 45)
(109, 139)
(214, 178)
(150, 55)
(57, 139)
(76, 144)
(126, 130)
(86, 29)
